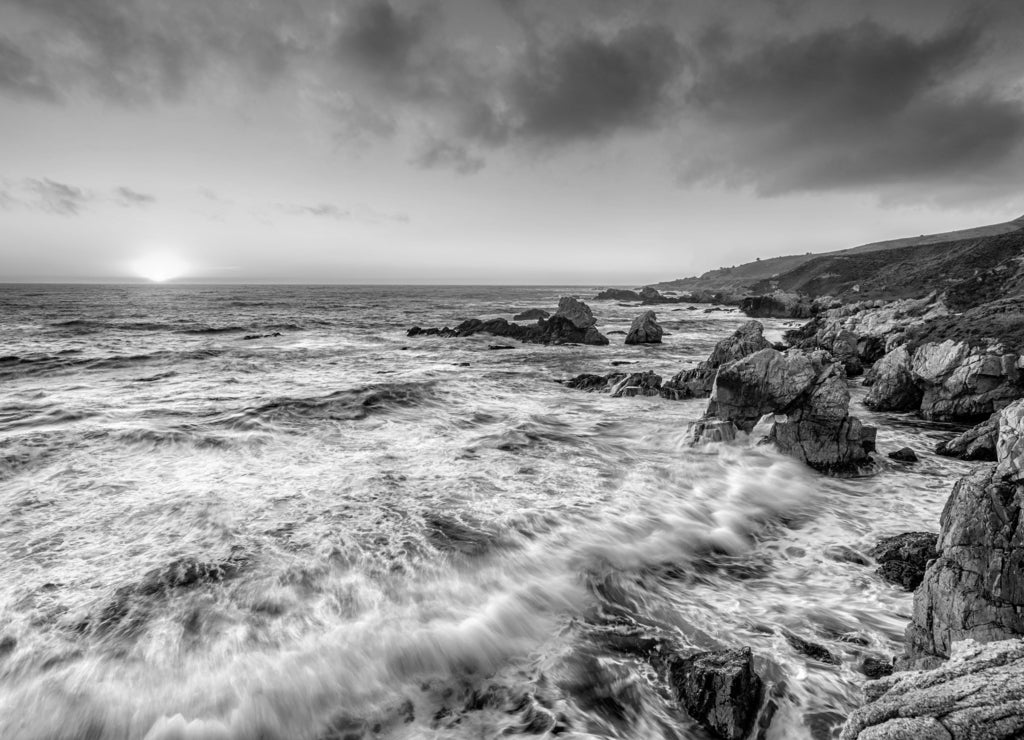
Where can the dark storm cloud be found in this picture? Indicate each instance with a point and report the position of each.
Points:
(380, 39)
(128, 197)
(588, 86)
(20, 76)
(56, 197)
(855, 106)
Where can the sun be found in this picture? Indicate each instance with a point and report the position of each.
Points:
(159, 267)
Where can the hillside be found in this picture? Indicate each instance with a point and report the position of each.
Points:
(797, 271)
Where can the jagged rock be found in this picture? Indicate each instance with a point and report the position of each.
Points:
(531, 314)
(964, 383)
(904, 454)
(812, 650)
(645, 329)
(807, 392)
(576, 312)
(697, 382)
(637, 384)
(875, 667)
(1010, 446)
(779, 305)
(894, 387)
(977, 695)
(904, 557)
(720, 690)
(590, 382)
(617, 294)
(977, 443)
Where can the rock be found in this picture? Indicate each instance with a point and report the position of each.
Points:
(874, 667)
(978, 694)
(647, 293)
(531, 314)
(7, 645)
(904, 557)
(697, 382)
(845, 554)
(590, 382)
(500, 346)
(637, 384)
(720, 690)
(617, 294)
(1010, 446)
(712, 430)
(645, 329)
(894, 387)
(811, 649)
(975, 588)
(964, 383)
(575, 312)
(807, 392)
(977, 443)
(904, 454)
(779, 305)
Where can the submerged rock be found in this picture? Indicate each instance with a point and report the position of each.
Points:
(903, 558)
(590, 382)
(978, 694)
(977, 443)
(645, 329)
(697, 382)
(904, 454)
(808, 394)
(720, 690)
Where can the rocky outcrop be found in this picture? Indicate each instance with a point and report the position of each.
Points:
(720, 690)
(978, 694)
(903, 558)
(963, 383)
(808, 394)
(592, 383)
(977, 443)
(894, 387)
(975, 589)
(697, 382)
(573, 323)
(617, 294)
(637, 384)
(531, 314)
(645, 329)
(779, 305)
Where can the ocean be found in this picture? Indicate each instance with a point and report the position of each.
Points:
(265, 512)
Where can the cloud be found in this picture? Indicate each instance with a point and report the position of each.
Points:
(322, 210)
(442, 154)
(21, 77)
(128, 197)
(852, 107)
(56, 197)
(588, 86)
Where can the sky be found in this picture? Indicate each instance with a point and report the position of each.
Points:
(599, 142)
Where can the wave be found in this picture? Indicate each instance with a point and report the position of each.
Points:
(42, 364)
(345, 405)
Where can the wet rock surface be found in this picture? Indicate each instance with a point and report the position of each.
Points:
(977, 443)
(697, 382)
(645, 329)
(893, 385)
(531, 314)
(720, 690)
(808, 394)
(903, 558)
(637, 384)
(978, 693)
(905, 455)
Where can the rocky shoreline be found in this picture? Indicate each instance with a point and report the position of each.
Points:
(967, 625)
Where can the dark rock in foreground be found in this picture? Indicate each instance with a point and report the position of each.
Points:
(720, 690)
(809, 396)
(977, 443)
(645, 329)
(697, 382)
(904, 454)
(978, 694)
(531, 314)
(904, 557)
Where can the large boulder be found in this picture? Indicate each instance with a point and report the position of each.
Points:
(975, 589)
(903, 558)
(645, 329)
(808, 394)
(697, 382)
(977, 443)
(575, 312)
(965, 383)
(894, 387)
(978, 694)
(720, 690)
